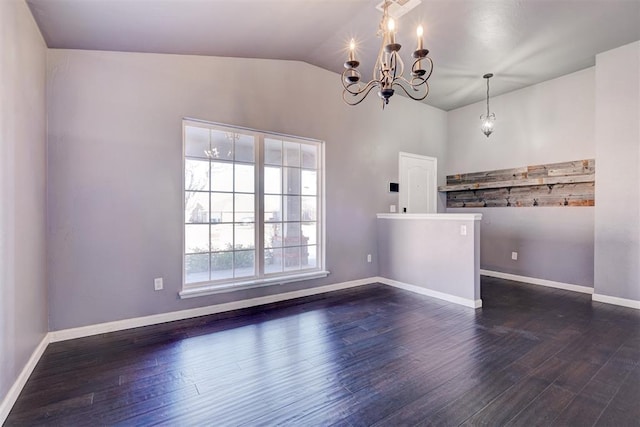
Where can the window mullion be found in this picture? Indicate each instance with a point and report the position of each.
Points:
(210, 210)
(259, 204)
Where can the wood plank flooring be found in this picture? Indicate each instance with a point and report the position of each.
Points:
(373, 355)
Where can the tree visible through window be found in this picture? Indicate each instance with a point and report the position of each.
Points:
(252, 205)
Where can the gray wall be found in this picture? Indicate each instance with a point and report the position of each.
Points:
(114, 170)
(617, 216)
(23, 292)
(549, 122)
(431, 254)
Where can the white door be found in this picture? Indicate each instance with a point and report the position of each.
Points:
(418, 183)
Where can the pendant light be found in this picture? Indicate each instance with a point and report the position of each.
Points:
(489, 118)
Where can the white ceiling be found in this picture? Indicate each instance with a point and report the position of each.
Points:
(522, 42)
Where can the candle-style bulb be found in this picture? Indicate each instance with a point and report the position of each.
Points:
(391, 26)
(352, 50)
(420, 32)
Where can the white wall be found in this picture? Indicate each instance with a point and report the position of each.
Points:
(23, 292)
(115, 169)
(617, 214)
(546, 123)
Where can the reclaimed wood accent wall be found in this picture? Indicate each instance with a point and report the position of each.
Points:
(555, 184)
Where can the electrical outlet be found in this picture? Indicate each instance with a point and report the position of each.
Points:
(157, 284)
(369, 258)
(392, 208)
(463, 230)
(514, 256)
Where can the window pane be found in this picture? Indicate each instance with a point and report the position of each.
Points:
(221, 176)
(244, 263)
(221, 145)
(291, 180)
(272, 151)
(309, 233)
(196, 142)
(273, 261)
(244, 208)
(309, 183)
(221, 207)
(196, 268)
(245, 236)
(309, 156)
(308, 258)
(221, 265)
(309, 208)
(292, 258)
(272, 208)
(244, 178)
(292, 234)
(291, 154)
(221, 237)
(196, 207)
(196, 238)
(244, 148)
(291, 208)
(272, 235)
(196, 175)
(272, 180)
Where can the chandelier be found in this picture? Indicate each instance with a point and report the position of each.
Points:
(489, 118)
(388, 72)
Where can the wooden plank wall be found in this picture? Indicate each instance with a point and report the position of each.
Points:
(511, 187)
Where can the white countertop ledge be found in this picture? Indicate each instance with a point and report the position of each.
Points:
(439, 216)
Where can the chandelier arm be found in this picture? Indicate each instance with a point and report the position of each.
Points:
(414, 86)
(411, 83)
(366, 93)
(377, 67)
(344, 80)
(367, 88)
(398, 60)
(415, 98)
(430, 68)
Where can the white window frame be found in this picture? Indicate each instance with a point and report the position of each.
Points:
(190, 290)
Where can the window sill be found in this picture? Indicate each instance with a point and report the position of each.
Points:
(237, 286)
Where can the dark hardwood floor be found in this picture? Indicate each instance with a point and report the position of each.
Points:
(372, 355)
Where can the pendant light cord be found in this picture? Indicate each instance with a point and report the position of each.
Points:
(487, 97)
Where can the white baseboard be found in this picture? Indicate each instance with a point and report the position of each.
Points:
(540, 282)
(102, 328)
(624, 302)
(430, 293)
(16, 388)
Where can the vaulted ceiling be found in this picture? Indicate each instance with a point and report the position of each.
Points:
(522, 42)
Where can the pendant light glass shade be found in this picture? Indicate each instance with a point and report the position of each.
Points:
(487, 119)
(487, 123)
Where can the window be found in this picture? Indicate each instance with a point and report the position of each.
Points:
(252, 208)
